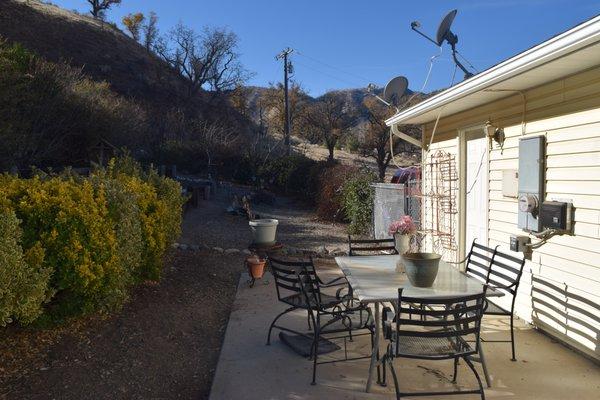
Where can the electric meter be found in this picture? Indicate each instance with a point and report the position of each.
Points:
(528, 203)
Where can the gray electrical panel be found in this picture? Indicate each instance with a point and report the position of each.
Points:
(532, 167)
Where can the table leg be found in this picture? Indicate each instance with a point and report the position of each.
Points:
(373, 365)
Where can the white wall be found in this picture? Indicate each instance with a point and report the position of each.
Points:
(570, 264)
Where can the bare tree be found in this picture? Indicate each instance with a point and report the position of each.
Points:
(208, 60)
(99, 7)
(133, 24)
(328, 120)
(151, 31)
(271, 102)
(240, 100)
(376, 140)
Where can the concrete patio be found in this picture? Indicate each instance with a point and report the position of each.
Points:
(248, 369)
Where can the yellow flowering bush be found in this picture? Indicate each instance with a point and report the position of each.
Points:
(77, 243)
(23, 280)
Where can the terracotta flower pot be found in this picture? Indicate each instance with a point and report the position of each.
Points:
(256, 266)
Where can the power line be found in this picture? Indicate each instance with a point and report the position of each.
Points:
(359, 77)
(327, 74)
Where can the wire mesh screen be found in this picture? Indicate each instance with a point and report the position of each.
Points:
(439, 202)
(389, 205)
(432, 203)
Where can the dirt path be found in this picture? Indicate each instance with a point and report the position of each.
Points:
(165, 342)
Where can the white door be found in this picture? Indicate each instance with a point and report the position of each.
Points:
(476, 189)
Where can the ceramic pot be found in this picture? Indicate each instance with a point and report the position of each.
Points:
(421, 268)
(256, 266)
(263, 231)
(402, 243)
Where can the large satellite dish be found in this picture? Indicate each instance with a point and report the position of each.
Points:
(443, 31)
(394, 90)
(444, 34)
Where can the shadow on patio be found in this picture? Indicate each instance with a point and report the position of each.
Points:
(248, 369)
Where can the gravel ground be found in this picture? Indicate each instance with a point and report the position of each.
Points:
(165, 342)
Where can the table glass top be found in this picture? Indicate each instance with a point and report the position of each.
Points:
(374, 279)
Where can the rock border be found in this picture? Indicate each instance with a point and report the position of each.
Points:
(322, 252)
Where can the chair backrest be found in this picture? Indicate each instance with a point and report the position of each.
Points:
(478, 262)
(370, 247)
(455, 318)
(505, 272)
(295, 278)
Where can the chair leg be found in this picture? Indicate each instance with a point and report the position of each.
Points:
(395, 378)
(470, 364)
(315, 355)
(512, 337)
(275, 320)
(455, 374)
(486, 374)
(308, 320)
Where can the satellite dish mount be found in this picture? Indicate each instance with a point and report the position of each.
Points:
(444, 34)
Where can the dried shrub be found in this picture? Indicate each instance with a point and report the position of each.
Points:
(329, 198)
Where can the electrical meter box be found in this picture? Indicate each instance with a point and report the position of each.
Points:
(556, 215)
(532, 155)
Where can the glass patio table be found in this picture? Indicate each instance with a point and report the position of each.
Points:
(374, 280)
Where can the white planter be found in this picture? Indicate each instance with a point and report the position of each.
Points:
(264, 231)
(402, 243)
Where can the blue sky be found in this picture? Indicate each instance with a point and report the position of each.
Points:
(349, 43)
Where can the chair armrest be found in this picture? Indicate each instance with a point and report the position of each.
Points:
(502, 286)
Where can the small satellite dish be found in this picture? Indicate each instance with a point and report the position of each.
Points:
(444, 32)
(395, 89)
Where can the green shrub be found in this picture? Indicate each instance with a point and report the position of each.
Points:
(295, 175)
(357, 202)
(23, 280)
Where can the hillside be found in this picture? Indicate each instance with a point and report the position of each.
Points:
(105, 53)
(99, 49)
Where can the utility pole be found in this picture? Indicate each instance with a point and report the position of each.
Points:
(286, 123)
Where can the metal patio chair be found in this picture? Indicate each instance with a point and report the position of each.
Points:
(505, 275)
(444, 329)
(299, 286)
(336, 320)
(370, 247)
(502, 272)
(289, 291)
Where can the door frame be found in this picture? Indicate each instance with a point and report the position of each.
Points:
(462, 184)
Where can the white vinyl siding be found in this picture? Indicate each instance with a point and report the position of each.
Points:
(567, 112)
(569, 262)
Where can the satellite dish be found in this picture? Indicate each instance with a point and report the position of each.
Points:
(444, 32)
(395, 89)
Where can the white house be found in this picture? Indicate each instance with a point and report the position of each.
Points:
(551, 90)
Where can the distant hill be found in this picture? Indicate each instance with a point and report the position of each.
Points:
(104, 53)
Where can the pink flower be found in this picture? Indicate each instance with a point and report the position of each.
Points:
(404, 226)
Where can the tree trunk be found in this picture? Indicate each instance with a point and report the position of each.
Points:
(331, 149)
(382, 167)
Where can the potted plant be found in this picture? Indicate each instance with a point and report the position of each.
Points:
(256, 266)
(421, 268)
(402, 231)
